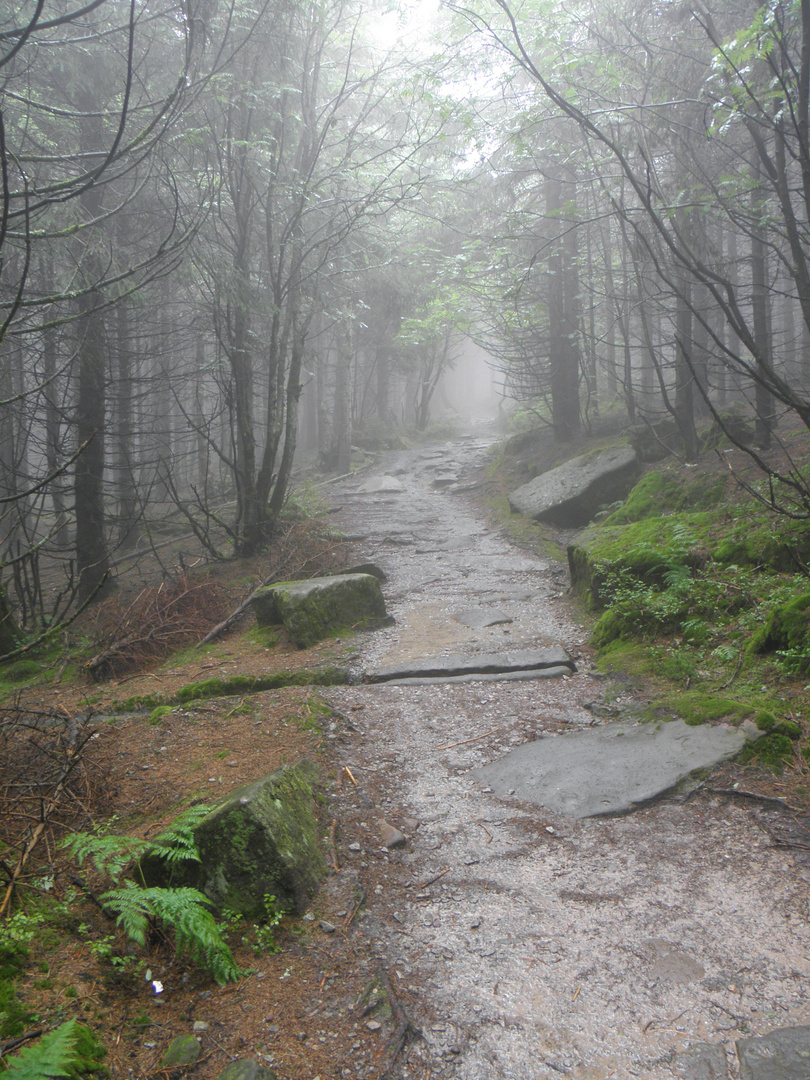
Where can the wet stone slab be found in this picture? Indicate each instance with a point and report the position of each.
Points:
(783, 1054)
(611, 769)
(495, 664)
(703, 1061)
(477, 618)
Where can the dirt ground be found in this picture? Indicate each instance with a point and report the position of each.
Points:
(499, 942)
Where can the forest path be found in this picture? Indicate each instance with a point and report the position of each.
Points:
(525, 944)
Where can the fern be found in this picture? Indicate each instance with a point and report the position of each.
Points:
(136, 907)
(54, 1056)
(176, 843)
(186, 911)
(109, 854)
(112, 854)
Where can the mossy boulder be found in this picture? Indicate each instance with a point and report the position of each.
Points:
(787, 629)
(246, 1069)
(315, 609)
(184, 1050)
(262, 840)
(571, 494)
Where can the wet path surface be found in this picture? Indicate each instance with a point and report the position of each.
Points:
(522, 943)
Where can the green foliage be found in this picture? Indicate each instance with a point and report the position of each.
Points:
(697, 707)
(70, 1051)
(315, 709)
(773, 750)
(136, 907)
(138, 702)
(15, 934)
(19, 671)
(156, 715)
(264, 938)
(786, 631)
(659, 492)
(185, 910)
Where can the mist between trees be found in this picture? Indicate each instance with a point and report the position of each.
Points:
(231, 231)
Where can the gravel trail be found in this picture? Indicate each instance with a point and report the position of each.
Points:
(524, 945)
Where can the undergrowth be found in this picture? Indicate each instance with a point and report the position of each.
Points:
(138, 906)
(703, 591)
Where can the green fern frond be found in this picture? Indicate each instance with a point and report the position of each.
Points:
(53, 1056)
(133, 908)
(186, 911)
(109, 854)
(176, 843)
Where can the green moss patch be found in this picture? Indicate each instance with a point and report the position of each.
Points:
(248, 684)
(696, 707)
(787, 630)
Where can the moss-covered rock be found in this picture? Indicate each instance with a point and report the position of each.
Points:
(184, 1050)
(260, 841)
(787, 629)
(313, 610)
(571, 494)
(246, 1069)
(645, 551)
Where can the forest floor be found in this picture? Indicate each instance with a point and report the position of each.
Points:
(501, 941)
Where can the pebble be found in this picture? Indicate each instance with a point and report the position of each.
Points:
(200, 1025)
(327, 927)
(373, 1025)
(355, 847)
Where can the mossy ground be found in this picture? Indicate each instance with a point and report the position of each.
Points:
(696, 589)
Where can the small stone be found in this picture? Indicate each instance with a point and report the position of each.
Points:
(308, 917)
(411, 824)
(327, 927)
(200, 1025)
(391, 837)
(373, 1025)
(355, 847)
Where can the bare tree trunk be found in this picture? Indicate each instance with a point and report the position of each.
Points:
(92, 563)
(563, 350)
(343, 405)
(684, 378)
(128, 528)
(764, 403)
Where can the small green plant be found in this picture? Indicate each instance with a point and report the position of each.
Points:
(138, 906)
(265, 936)
(263, 939)
(71, 1050)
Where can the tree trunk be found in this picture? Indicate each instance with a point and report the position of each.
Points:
(563, 328)
(763, 399)
(684, 379)
(128, 525)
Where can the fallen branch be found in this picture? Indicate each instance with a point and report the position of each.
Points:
(404, 1028)
(332, 847)
(768, 800)
(476, 738)
(355, 909)
(12, 1044)
(73, 754)
(430, 881)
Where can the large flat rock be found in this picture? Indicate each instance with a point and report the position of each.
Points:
(783, 1054)
(441, 667)
(612, 769)
(571, 494)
